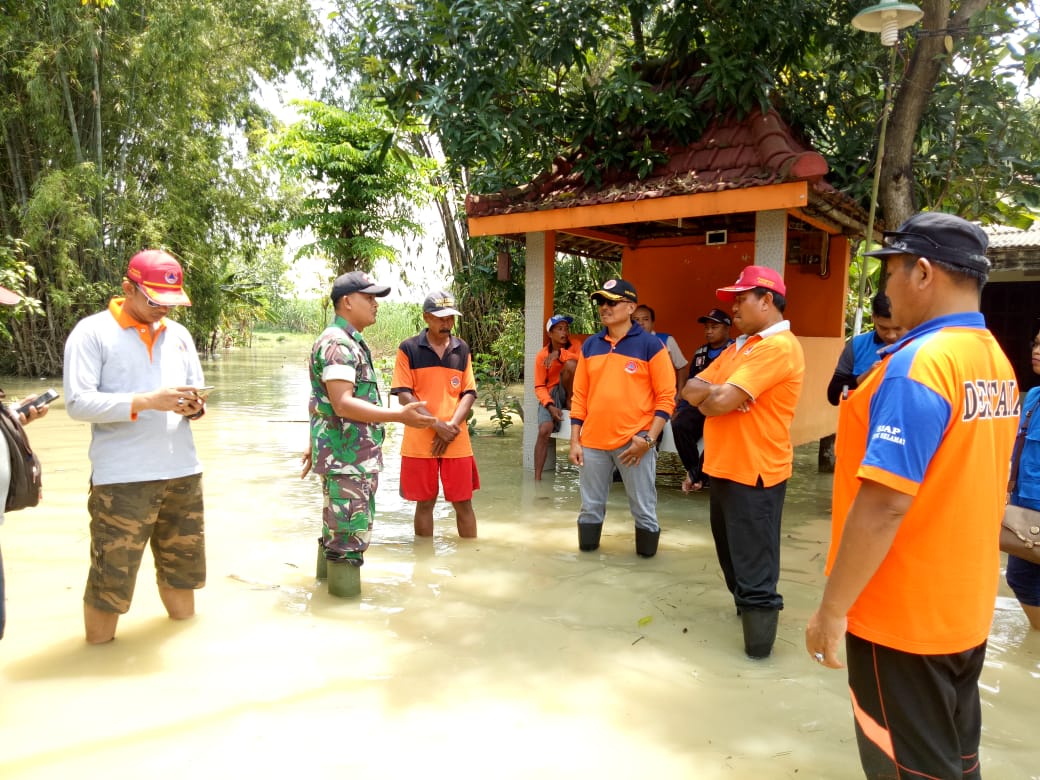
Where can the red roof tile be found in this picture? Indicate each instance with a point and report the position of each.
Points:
(731, 154)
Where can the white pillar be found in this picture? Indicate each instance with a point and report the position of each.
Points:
(534, 328)
(771, 239)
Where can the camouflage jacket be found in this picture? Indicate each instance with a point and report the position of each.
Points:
(340, 445)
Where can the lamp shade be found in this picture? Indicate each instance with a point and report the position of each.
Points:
(888, 18)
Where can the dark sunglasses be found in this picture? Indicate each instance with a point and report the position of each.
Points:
(606, 302)
(151, 304)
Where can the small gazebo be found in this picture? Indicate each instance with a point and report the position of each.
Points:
(747, 192)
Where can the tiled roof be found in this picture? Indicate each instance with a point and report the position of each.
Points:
(732, 153)
(1003, 236)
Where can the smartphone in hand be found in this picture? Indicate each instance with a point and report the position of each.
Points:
(42, 399)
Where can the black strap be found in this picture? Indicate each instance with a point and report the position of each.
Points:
(1016, 454)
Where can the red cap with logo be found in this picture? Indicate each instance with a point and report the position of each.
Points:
(160, 276)
(751, 277)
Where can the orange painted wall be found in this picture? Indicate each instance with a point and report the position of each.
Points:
(680, 283)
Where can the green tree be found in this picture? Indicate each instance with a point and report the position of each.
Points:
(135, 124)
(361, 183)
(505, 85)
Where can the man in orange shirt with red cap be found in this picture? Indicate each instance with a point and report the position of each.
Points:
(748, 395)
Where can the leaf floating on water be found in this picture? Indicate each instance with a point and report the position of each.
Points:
(646, 620)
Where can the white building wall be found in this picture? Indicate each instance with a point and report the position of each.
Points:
(534, 329)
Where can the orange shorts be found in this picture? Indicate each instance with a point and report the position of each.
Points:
(420, 476)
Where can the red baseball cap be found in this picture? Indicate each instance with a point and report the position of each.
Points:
(159, 276)
(9, 297)
(751, 277)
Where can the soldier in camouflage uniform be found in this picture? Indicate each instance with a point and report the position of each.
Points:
(347, 417)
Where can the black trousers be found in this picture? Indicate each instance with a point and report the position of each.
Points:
(745, 523)
(687, 430)
(916, 715)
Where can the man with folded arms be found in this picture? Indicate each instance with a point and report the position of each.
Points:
(748, 395)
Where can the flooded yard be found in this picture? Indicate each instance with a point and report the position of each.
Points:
(509, 656)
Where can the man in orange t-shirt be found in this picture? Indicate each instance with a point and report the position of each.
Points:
(748, 395)
(436, 368)
(553, 380)
(923, 453)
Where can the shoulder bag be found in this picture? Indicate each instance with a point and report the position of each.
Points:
(1020, 528)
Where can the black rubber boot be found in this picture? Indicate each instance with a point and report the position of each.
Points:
(646, 542)
(759, 631)
(588, 536)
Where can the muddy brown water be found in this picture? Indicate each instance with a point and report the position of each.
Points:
(511, 656)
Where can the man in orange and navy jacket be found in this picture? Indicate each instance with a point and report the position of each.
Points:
(923, 453)
(624, 393)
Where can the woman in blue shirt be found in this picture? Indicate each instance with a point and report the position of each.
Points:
(1023, 577)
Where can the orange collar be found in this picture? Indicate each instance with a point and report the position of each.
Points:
(147, 333)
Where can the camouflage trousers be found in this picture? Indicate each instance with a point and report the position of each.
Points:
(347, 515)
(126, 517)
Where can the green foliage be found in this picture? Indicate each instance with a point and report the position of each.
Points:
(123, 128)
(493, 393)
(485, 302)
(576, 277)
(361, 182)
(395, 322)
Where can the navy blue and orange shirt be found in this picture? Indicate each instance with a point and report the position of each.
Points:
(620, 387)
(936, 421)
(441, 383)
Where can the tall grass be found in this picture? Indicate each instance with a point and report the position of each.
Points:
(395, 322)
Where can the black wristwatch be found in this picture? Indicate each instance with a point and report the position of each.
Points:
(646, 437)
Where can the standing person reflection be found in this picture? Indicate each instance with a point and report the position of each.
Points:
(1023, 577)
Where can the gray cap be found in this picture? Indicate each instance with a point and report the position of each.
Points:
(440, 303)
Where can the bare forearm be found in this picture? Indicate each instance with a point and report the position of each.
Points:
(462, 410)
(363, 411)
(695, 391)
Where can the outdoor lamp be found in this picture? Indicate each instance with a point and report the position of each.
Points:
(888, 18)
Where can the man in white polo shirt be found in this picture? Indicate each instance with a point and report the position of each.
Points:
(134, 375)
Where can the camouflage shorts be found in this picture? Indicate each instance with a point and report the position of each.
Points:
(124, 518)
(347, 516)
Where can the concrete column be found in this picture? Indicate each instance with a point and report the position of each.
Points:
(534, 328)
(771, 239)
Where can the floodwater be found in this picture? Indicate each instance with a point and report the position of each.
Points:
(508, 656)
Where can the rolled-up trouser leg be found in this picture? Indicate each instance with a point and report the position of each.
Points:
(347, 516)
